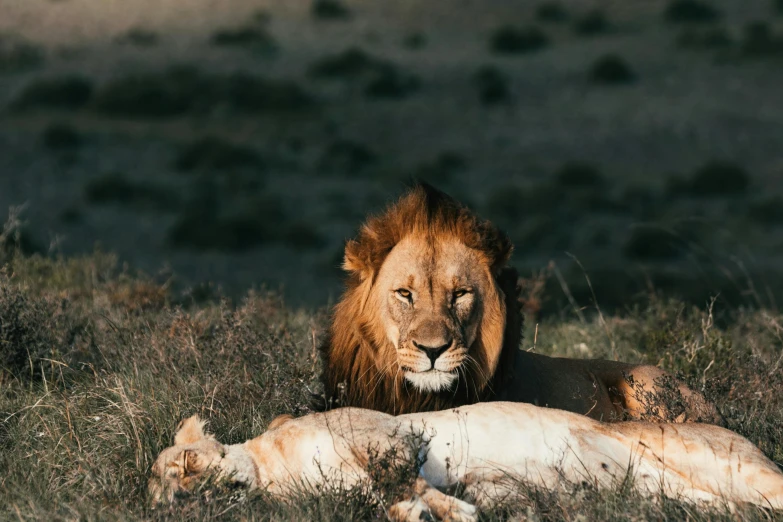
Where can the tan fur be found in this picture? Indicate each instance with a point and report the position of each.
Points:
(484, 450)
(431, 246)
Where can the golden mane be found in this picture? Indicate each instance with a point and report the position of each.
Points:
(355, 350)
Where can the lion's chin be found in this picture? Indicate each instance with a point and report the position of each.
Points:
(431, 381)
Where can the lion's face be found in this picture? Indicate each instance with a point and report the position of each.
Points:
(430, 295)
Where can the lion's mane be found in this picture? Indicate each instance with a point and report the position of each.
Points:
(354, 352)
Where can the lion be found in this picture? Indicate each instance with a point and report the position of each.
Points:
(430, 320)
(483, 450)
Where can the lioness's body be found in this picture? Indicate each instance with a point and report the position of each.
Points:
(430, 320)
(483, 447)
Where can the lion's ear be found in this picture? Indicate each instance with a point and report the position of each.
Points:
(356, 261)
(189, 431)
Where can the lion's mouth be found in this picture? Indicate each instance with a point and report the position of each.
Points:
(432, 380)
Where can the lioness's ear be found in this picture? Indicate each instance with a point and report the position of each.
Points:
(189, 431)
(280, 420)
(191, 463)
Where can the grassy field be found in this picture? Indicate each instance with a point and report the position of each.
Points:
(99, 365)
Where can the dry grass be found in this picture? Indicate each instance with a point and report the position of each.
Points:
(99, 366)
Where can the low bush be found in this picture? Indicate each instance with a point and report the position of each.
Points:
(592, 23)
(139, 37)
(211, 153)
(612, 69)
(691, 11)
(61, 136)
(705, 38)
(330, 10)
(253, 37)
(18, 56)
(116, 188)
(551, 11)
(516, 40)
(346, 157)
(59, 92)
(493, 85)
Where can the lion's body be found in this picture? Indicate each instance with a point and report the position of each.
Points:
(430, 320)
(485, 448)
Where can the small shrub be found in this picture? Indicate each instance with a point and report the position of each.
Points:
(203, 225)
(551, 11)
(350, 63)
(28, 328)
(116, 188)
(493, 85)
(139, 37)
(758, 40)
(247, 93)
(707, 38)
(250, 36)
(19, 56)
(767, 211)
(690, 11)
(592, 23)
(415, 41)
(65, 92)
(719, 178)
(347, 157)
(646, 243)
(302, 236)
(330, 10)
(182, 90)
(391, 83)
(579, 175)
(611, 69)
(442, 169)
(61, 136)
(154, 95)
(515, 40)
(212, 153)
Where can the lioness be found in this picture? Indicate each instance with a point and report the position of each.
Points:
(483, 447)
(430, 320)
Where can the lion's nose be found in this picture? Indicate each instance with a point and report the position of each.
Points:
(433, 352)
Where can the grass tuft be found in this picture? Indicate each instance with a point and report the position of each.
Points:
(691, 11)
(612, 69)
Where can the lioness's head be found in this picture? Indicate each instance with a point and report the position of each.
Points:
(424, 294)
(179, 467)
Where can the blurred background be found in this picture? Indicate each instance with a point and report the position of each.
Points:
(634, 146)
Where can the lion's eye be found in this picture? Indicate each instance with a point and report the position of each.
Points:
(405, 294)
(461, 293)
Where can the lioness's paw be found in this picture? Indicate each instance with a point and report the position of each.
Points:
(447, 510)
(413, 510)
(460, 511)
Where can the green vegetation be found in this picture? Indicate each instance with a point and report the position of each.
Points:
(330, 10)
(552, 12)
(378, 78)
(346, 157)
(214, 154)
(61, 136)
(592, 23)
(253, 37)
(59, 92)
(714, 178)
(17, 56)
(691, 11)
(705, 38)
(139, 37)
(493, 85)
(116, 188)
(183, 90)
(612, 69)
(98, 366)
(516, 40)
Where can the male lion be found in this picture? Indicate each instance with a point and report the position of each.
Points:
(430, 320)
(484, 449)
